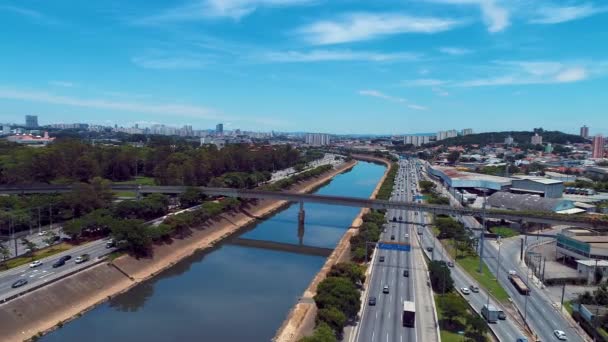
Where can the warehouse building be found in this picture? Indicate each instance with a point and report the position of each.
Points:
(455, 178)
(526, 202)
(545, 187)
(581, 244)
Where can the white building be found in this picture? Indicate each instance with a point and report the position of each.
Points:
(446, 134)
(509, 140)
(317, 139)
(536, 139)
(467, 131)
(417, 140)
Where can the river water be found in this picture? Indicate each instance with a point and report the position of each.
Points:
(230, 293)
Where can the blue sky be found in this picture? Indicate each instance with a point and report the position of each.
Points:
(382, 66)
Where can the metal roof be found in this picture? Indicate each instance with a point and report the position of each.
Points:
(511, 201)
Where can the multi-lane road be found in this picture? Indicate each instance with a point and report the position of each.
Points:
(383, 321)
(46, 272)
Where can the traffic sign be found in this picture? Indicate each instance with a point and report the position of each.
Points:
(393, 246)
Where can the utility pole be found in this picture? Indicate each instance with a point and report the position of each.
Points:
(563, 294)
(498, 263)
(39, 226)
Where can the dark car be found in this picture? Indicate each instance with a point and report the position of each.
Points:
(58, 263)
(381, 259)
(450, 264)
(392, 237)
(400, 218)
(406, 273)
(430, 249)
(502, 316)
(394, 219)
(19, 283)
(65, 258)
(372, 300)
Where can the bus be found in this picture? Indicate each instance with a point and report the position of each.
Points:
(519, 284)
(409, 314)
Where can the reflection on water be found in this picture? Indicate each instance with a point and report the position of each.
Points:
(230, 293)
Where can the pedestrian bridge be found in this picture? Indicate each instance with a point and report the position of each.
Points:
(515, 216)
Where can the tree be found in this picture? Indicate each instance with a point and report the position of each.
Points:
(350, 270)
(30, 246)
(332, 317)
(477, 324)
(50, 238)
(426, 186)
(339, 293)
(441, 278)
(191, 197)
(322, 333)
(452, 306)
(5, 253)
(131, 235)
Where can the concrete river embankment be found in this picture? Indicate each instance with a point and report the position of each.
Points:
(232, 292)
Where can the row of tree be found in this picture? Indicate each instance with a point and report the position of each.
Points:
(389, 182)
(69, 160)
(369, 232)
(338, 300)
(289, 181)
(432, 196)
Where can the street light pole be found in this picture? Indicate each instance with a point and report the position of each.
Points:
(498, 263)
(526, 304)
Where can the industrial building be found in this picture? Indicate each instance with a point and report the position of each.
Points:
(581, 244)
(597, 172)
(545, 187)
(524, 202)
(29, 139)
(455, 178)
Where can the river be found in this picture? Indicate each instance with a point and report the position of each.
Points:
(230, 293)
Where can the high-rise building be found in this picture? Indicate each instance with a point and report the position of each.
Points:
(446, 134)
(509, 140)
(598, 146)
(467, 131)
(536, 139)
(549, 148)
(219, 129)
(31, 121)
(585, 132)
(417, 140)
(318, 139)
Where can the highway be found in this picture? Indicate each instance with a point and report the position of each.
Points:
(46, 272)
(542, 317)
(383, 321)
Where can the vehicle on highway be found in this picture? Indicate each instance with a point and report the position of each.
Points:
(560, 335)
(407, 235)
(19, 283)
(406, 273)
(65, 257)
(490, 313)
(82, 258)
(502, 316)
(430, 249)
(519, 284)
(110, 244)
(35, 263)
(400, 218)
(58, 263)
(419, 231)
(381, 258)
(521, 339)
(372, 301)
(385, 289)
(474, 289)
(409, 314)
(42, 233)
(394, 219)
(450, 264)
(392, 237)
(465, 291)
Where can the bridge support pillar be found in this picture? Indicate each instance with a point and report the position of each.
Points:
(301, 215)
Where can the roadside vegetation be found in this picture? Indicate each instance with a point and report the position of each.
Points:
(453, 311)
(504, 232)
(461, 246)
(430, 193)
(338, 301)
(369, 231)
(288, 182)
(598, 328)
(7, 263)
(384, 193)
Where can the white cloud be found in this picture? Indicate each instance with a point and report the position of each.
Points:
(494, 15)
(206, 9)
(555, 15)
(365, 26)
(531, 72)
(335, 55)
(136, 107)
(440, 91)
(455, 51)
(571, 75)
(381, 95)
(62, 84)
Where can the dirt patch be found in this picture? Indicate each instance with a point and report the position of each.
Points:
(40, 311)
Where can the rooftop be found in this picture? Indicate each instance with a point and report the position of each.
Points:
(507, 200)
(591, 263)
(541, 180)
(454, 173)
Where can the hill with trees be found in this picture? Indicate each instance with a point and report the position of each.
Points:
(519, 137)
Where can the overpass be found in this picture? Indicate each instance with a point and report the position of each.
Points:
(515, 216)
(282, 247)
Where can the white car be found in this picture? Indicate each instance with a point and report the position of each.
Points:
(35, 263)
(42, 233)
(511, 272)
(560, 335)
(465, 291)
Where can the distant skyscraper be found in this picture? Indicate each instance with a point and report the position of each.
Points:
(549, 148)
(318, 139)
(598, 147)
(219, 129)
(31, 121)
(509, 140)
(467, 131)
(536, 139)
(417, 140)
(585, 132)
(446, 134)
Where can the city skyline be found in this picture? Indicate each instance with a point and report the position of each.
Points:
(287, 65)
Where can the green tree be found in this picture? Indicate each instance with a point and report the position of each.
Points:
(5, 253)
(322, 333)
(29, 245)
(426, 186)
(477, 324)
(452, 306)
(191, 197)
(339, 293)
(132, 235)
(350, 270)
(50, 238)
(441, 278)
(333, 317)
